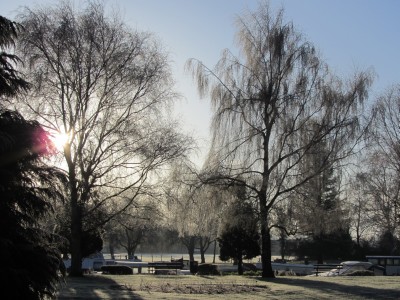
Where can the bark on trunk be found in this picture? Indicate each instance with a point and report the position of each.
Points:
(267, 271)
(214, 251)
(76, 239)
(240, 265)
(76, 218)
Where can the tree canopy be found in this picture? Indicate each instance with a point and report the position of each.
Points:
(274, 103)
(106, 87)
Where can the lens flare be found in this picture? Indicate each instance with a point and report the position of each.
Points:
(59, 140)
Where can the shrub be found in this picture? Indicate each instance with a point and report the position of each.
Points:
(207, 269)
(253, 273)
(285, 273)
(117, 270)
(361, 273)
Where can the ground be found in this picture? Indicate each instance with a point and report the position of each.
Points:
(223, 287)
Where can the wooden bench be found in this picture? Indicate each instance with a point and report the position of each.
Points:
(320, 268)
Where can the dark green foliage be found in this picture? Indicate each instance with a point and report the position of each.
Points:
(237, 243)
(337, 245)
(207, 269)
(30, 260)
(117, 270)
(388, 244)
(92, 240)
(10, 81)
(239, 237)
(30, 263)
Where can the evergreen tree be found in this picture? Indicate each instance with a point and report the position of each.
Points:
(320, 213)
(30, 260)
(239, 238)
(10, 80)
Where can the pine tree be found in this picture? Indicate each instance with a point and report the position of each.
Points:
(30, 260)
(239, 238)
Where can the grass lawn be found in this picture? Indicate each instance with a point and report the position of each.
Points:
(229, 287)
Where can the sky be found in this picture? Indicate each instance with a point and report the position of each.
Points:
(351, 35)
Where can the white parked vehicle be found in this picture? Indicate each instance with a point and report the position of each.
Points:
(348, 267)
(89, 264)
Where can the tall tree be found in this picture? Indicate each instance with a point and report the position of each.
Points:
(272, 104)
(106, 86)
(30, 256)
(383, 177)
(375, 189)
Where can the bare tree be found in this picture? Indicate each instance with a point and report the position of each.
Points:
(193, 211)
(271, 108)
(135, 224)
(380, 177)
(361, 208)
(106, 86)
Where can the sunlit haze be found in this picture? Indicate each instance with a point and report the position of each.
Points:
(59, 139)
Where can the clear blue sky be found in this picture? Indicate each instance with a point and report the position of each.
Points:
(350, 34)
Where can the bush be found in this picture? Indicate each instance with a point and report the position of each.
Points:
(253, 273)
(361, 273)
(117, 270)
(207, 269)
(285, 273)
(249, 267)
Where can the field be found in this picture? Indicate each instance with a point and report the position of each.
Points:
(225, 287)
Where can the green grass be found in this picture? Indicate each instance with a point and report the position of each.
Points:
(229, 287)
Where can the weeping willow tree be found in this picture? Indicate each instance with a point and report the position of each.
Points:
(273, 103)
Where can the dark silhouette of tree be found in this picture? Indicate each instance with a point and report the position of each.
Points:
(11, 83)
(239, 237)
(272, 104)
(30, 259)
(334, 245)
(388, 244)
(30, 256)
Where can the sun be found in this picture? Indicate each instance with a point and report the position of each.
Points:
(59, 139)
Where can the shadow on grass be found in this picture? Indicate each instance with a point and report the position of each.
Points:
(94, 287)
(326, 287)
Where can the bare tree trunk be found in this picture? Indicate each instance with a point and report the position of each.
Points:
(76, 220)
(240, 265)
(111, 245)
(76, 238)
(191, 247)
(215, 251)
(190, 243)
(112, 252)
(204, 244)
(267, 271)
(282, 242)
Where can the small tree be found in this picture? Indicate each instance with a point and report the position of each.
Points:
(239, 238)
(192, 211)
